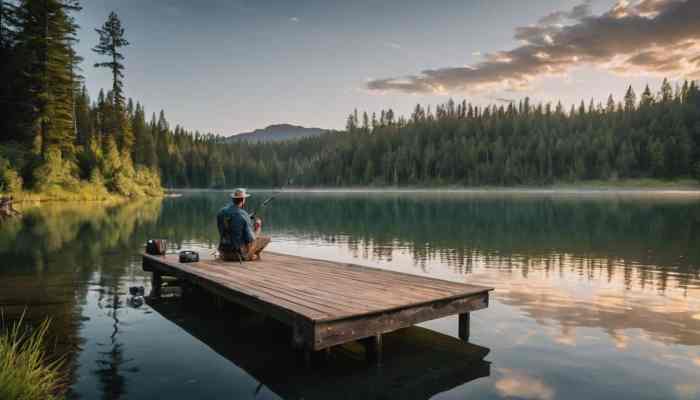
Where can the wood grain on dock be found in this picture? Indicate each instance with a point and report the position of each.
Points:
(327, 303)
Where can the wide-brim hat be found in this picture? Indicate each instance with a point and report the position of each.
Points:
(240, 193)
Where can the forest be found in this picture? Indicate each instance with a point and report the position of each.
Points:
(55, 137)
(54, 140)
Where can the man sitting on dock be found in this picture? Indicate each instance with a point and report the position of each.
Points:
(240, 238)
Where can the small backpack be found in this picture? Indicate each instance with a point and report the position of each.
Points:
(156, 247)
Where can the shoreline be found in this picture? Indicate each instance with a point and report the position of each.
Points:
(38, 197)
(626, 186)
(630, 187)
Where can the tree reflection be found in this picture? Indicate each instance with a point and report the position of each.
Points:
(53, 253)
(635, 258)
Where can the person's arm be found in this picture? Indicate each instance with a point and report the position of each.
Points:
(248, 231)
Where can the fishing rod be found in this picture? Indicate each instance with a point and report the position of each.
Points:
(261, 206)
(267, 201)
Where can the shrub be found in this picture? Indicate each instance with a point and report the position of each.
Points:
(149, 180)
(10, 181)
(123, 185)
(111, 161)
(25, 370)
(54, 171)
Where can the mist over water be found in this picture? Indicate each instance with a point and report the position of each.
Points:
(597, 295)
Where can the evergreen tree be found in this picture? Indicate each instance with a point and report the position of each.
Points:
(46, 37)
(111, 40)
(666, 92)
(84, 123)
(630, 99)
(109, 45)
(647, 97)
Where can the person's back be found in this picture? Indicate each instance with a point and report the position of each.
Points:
(238, 239)
(234, 228)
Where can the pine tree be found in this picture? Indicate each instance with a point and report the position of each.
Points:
(12, 107)
(111, 40)
(46, 37)
(630, 99)
(610, 106)
(83, 118)
(647, 97)
(666, 92)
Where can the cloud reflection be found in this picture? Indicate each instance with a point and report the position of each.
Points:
(574, 302)
(518, 384)
(688, 390)
(610, 262)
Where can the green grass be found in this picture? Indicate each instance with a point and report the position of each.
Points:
(26, 373)
(86, 191)
(59, 194)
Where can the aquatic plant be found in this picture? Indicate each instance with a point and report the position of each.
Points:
(26, 370)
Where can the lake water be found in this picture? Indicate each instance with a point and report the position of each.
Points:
(597, 296)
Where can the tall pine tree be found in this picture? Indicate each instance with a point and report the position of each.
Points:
(45, 39)
(111, 40)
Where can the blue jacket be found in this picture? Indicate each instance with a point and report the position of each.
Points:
(235, 228)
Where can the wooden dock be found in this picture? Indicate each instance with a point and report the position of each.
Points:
(327, 303)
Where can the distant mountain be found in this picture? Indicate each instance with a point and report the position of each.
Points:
(276, 133)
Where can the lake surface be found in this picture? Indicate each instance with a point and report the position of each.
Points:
(597, 296)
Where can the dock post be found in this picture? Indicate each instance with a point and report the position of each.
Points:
(307, 357)
(464, 326)
(373, 348)
(300, 344)
(184, 288)
(156, 283)
(327, 354)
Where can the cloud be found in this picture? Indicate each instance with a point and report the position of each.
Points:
(294, 19)
(503, 99)
(647, 37)
(688, 390)
(577, 13)
(392, 45)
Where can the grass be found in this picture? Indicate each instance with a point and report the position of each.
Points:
(26, 372)
(85, 192)
(63, 195)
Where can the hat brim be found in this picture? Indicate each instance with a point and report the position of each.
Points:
(245, 196)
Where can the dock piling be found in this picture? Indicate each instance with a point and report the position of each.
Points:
(156, 283)
(373, 348)
(464, 326)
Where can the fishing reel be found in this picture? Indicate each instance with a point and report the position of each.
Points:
(189, 256)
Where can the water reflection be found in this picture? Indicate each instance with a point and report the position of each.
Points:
(418, 362)
(614, 262)
(55, 254)
(584, 287)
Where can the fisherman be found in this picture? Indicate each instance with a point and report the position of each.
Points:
(240, 237)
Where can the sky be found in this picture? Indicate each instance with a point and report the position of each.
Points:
(230, 66)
